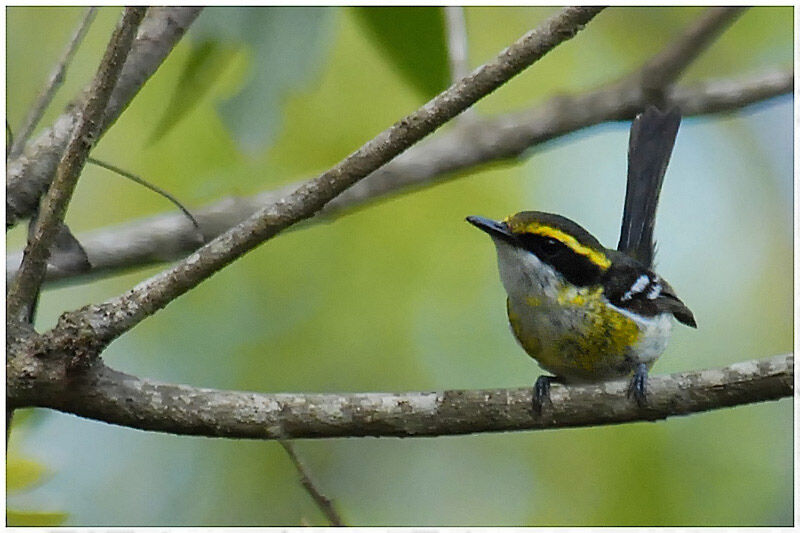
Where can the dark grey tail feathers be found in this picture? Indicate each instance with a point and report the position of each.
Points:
(650, 146)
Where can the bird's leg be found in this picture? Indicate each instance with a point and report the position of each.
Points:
(638, 385)
(541, 392)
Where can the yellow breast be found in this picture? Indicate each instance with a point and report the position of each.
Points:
(578, 336)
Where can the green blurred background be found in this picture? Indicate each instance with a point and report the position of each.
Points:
(404, 295)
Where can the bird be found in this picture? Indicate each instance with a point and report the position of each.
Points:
(584, 312)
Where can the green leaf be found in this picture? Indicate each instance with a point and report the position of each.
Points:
(35, 518)
(413, 39)
(286, 47)
(207, 61)
(22, 473)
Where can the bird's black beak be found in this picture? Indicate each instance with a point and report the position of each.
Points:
(492, 227)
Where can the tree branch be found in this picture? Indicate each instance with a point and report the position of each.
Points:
(55, 81)
(324, 503)
(464, 147)
(29, 175)
(667, 66)
(110, 396)
(118, 315)
(168, 236)
(728, 95)
(34, 262)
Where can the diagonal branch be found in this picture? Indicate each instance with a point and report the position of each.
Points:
(110, 396)
(168, 237)
(462, 148)
(34, 262)
(29, 175)
(667, 66)
(116, 316)
(55, 81)
(324, 503)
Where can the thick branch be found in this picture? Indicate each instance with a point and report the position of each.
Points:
(53, 83)
(114, 317)
(110, 396)
(28, 176)
(169, 236)
(34, 262)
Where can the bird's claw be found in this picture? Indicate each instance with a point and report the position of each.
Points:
(638, 385)
(541, 393)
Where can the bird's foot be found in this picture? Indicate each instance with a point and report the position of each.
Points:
(541, 393)
(637, 389)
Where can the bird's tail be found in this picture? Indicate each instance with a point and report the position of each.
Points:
(652, 138)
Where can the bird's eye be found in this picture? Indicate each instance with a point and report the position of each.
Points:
(550, 246)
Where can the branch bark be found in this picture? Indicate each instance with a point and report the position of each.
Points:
(462, 149)
(29, 175)
(34, 263)
(110, 319)
(110, 396)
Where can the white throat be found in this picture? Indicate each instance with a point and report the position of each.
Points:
(525, 275)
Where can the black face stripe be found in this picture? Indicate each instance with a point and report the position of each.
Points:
(576, 268)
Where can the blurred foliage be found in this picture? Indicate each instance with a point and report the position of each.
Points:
(207, 61)
(404, 295)
(414, 41)
(286, 45)
(34, 518)
(23, 474)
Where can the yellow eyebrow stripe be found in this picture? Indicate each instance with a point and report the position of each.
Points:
(598, 258)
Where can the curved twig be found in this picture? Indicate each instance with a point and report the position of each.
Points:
(146, 184)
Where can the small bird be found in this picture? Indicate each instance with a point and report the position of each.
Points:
(587, 313)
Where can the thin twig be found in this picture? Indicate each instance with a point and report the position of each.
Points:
(324, 503)
(103, 394)
(144, 183)
(165, 237)
(112, 318)
(29, 174)
(668, 65)
(55, 81)
(54, 207)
